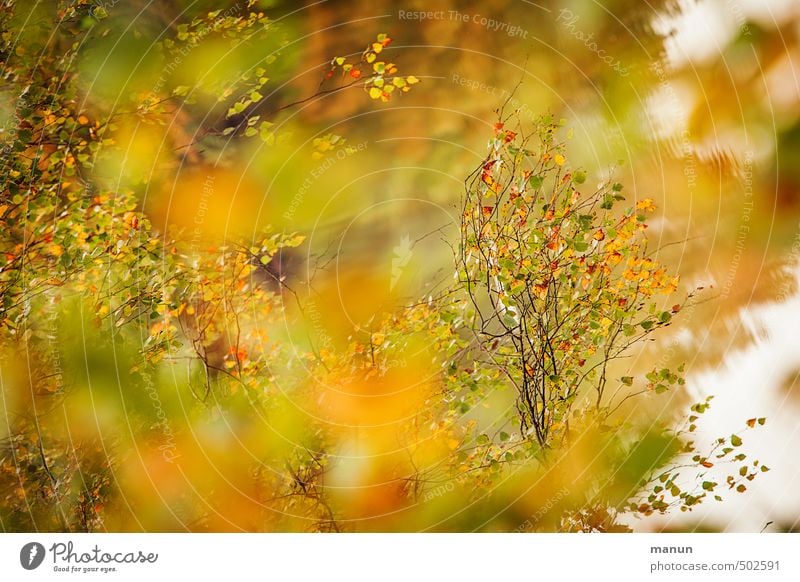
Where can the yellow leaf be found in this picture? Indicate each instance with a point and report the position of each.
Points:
(559, 159)
(375, 93)
(646, 204)
(412, 80)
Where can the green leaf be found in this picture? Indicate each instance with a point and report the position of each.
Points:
(736, 441)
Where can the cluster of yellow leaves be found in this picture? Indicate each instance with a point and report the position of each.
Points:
(381, 79)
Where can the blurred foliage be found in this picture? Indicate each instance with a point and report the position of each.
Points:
(196, 330)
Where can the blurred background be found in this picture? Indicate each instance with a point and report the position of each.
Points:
(695, 104)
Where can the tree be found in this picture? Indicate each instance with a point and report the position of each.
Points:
(133, 346)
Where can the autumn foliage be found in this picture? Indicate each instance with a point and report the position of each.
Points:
(166, 373)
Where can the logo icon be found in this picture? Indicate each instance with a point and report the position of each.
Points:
(31, 555)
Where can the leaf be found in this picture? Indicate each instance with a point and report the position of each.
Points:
(536, 182)
(736, 441)
(627, 380)
(375, 93)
